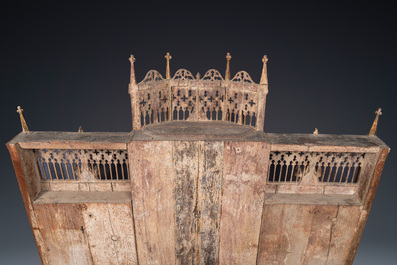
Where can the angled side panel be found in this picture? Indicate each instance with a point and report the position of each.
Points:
(152, 199)
(29, 185)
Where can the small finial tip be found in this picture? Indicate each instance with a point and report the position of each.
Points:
(315, 131)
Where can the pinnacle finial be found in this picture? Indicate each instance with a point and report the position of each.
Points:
(264, 80)
(132, 74)
(80, 129)
(168, 57)
(315, 131)
(227, 74)
(375, 124)
(23, 122)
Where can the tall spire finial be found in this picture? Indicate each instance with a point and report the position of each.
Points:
(132, 74)
(227, 74)
(264, 71)
(375, 124)
(168, 57)
(23, 122)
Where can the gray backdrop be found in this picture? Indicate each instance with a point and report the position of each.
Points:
(329, 67)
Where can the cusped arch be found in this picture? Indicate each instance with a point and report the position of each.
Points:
(212, 75)
(243, 77)
(183, 74)
(152, 75)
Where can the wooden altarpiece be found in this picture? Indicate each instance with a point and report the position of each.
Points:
(197, 181)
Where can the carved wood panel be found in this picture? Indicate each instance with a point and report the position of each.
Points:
(184, 103)
(211, 103)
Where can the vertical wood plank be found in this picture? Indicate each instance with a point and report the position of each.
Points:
(318, 243)
(209, 196)
(110, 234)
(152, 196)
(185, 162)
(342, 235)
(296, 234)
(62, 229)
(245, 166)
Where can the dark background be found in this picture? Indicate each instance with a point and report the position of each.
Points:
(330, 66)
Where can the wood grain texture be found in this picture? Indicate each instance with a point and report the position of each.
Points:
(26, 177)
(110, 233)
(186, 170)
(198, 178)
(343, 232)
(244, 180)
(209, 199)
(296, 234)
(368, 197)
(62, 228)
(152, 196)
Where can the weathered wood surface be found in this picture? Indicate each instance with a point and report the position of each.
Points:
(324, 142)
(198, 131)
(344, 230)
(72, 140)
(29, 187)
(83, 197)
(368, 197)
(152, 196)
(103, 185)
(209, 200)
(244, 177)
(186, 170)
(198, 178)
(87, 233)
(62, 228)
(312, 199)
(110, 233)
(296, 234)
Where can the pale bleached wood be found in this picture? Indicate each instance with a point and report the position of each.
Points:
(152, 196)
(110, 233)
(54, 197)
(295, 234)
(243, 186)
(62, 229)
(343, 233)
(312, 199)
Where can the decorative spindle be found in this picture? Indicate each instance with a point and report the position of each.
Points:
(132, 74)
(375, 124)
(264, 71)
(168, 57)
(23, 122)
(227, 74)
(198, 76)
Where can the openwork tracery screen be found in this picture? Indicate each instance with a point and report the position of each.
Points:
(327, 167)
(83, 165)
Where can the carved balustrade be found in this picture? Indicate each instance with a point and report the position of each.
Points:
(208, 98)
